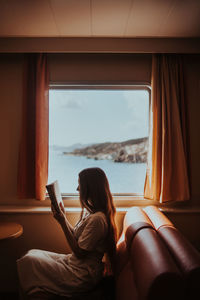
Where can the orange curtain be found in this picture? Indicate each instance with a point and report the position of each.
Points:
(167, 171)
(33, 152)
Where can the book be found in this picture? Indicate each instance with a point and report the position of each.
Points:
(55, 195)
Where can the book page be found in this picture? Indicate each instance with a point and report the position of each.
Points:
(55, 195)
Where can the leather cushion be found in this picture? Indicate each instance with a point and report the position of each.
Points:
(154, 268)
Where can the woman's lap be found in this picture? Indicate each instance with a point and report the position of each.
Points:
(44, 270)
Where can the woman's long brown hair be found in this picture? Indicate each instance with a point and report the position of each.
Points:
(95, 196)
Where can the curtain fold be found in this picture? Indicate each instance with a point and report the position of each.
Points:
(167, 169)
(33, 152)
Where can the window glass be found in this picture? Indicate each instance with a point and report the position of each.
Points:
(106, 128)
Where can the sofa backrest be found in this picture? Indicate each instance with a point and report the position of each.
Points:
(187, 258)
(153, 268)
(154, 274)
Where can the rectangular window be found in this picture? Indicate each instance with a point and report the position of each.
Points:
(99, 126)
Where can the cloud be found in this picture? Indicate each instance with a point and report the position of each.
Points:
(68, 99)
(72, 103)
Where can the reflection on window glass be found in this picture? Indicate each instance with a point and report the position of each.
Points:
(99, 128)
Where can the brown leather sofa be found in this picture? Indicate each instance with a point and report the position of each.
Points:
(154, 260)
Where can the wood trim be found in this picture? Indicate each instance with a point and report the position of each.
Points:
(99, 45)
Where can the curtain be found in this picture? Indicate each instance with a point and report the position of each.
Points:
(33, 152)
(167, 169)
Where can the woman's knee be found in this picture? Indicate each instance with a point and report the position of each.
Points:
(33, 253)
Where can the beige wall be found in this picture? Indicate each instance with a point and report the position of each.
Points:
(192, 80)
(87, 68)
(10, 117)
(40, 230)
(68, 68)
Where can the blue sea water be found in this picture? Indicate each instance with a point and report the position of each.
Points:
(123, 177)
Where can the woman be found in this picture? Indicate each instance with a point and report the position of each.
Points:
(92, 237)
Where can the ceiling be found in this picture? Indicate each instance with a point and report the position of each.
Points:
(100, 18)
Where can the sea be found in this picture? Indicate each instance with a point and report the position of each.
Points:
(124, 178)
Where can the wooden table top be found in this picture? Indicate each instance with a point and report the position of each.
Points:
(10, 230)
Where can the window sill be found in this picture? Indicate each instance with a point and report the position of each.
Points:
(32, 209)
(120, 201)
(15, 209)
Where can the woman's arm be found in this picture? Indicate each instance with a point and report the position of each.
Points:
(69, 232)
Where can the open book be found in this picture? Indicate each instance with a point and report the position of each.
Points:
(55, 195)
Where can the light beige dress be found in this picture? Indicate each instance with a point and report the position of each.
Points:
(67, 275)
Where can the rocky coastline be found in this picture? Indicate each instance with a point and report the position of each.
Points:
(130, 151)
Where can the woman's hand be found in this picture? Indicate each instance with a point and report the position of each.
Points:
(68, 231)
(59, 216)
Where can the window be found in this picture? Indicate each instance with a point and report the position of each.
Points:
(99, 126)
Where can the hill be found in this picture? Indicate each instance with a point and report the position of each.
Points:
(132, 151)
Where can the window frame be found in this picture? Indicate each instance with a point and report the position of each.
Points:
(120, 199)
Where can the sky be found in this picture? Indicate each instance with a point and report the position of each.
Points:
(96, 116)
